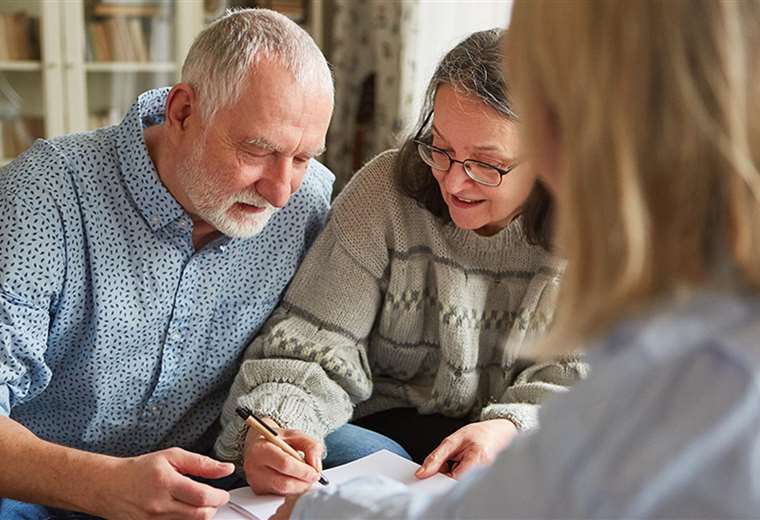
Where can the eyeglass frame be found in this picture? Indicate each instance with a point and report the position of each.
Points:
(501, 171)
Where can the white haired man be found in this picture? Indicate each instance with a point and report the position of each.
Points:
(138, 261)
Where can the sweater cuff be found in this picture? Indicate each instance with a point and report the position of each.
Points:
(287, 404)
(523, 415)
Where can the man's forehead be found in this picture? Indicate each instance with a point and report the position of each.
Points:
(287, 121)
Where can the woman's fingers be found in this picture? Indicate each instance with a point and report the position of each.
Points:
(433, 463)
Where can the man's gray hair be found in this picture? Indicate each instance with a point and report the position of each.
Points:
(226, 51)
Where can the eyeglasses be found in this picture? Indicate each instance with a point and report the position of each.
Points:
(479, 171)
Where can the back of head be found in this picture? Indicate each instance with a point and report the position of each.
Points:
(229, 49)
(653, 107)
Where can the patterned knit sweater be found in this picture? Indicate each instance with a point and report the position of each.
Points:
(393, 308)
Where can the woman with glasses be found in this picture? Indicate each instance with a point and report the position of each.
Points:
(411, 311)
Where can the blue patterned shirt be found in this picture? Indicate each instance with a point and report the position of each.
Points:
(116, 336)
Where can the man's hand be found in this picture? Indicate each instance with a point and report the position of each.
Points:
(268, 469)
(155, 486)
(286, 508)
(476, 443)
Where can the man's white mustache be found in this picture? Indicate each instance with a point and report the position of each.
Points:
(253, 199)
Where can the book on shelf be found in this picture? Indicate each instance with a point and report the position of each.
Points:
(137, 37)
(293, 9)
(122, 44)
(4, 47)
(160, 48)
(130, 38)
(122, 8)
(296, 10)
(119, 39)
(19, 36)
(99, 41)
(114, 42)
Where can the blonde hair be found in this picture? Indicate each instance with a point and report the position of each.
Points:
(655, 108)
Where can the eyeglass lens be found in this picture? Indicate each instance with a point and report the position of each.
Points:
(478, 172)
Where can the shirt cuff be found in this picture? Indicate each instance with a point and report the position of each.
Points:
(5, 401)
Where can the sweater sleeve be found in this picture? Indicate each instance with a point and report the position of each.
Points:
(536, 382)
(308, 367)
(532, 382)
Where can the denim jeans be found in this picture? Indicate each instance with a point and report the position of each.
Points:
(15, 510)
(351, 442)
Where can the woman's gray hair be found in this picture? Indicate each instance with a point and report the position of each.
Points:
(226, 51)
(474, 69)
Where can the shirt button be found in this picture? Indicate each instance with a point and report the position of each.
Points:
(155, 221)
(222, 249)
(175, 336)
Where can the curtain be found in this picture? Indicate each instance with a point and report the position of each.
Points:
(373, 67)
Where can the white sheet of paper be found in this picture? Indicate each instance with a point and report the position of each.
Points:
(383, 462)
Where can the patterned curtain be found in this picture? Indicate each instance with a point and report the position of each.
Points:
(373, 67)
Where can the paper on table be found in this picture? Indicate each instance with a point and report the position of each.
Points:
(383, 462)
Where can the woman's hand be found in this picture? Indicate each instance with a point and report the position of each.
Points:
(269, 469)
(476, 443)
(283, 512)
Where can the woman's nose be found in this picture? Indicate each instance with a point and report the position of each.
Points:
(456, 178)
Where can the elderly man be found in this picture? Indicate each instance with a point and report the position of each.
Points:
(138, 261)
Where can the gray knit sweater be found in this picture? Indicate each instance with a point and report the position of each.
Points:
(393, 308)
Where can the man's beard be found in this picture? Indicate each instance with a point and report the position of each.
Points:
(216, 208)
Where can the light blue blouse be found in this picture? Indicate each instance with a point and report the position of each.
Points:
(666, 426)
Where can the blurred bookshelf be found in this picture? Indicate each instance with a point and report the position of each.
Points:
(129, 33)
(24, 116)
(125, 48)
(306, 13)
(74, 65)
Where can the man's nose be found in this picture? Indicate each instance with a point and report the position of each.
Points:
(276, 185)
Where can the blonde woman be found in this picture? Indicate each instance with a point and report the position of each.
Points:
(644, 118)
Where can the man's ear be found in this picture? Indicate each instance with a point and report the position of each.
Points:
(181, 105)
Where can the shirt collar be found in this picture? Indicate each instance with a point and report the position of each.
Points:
(154, 201)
